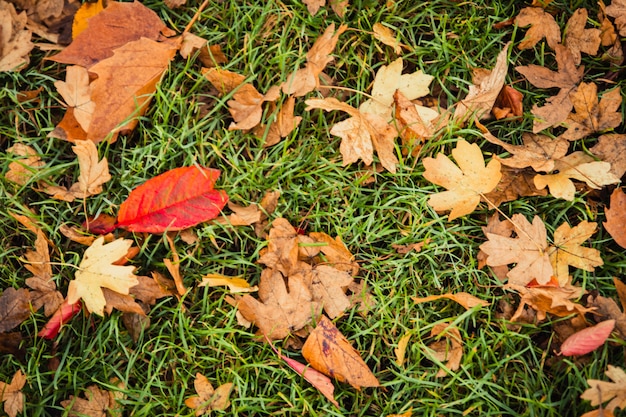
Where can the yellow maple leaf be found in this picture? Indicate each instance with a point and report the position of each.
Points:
(96, 271)
(465, 183)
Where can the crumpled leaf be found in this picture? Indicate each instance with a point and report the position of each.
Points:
(246, 106)
(328, 351)
(547, 299)
(96, 271)
(592, 116)
(96, 403)
(542, 25)
(11, 394)
(465, 183)
(415, 123)
(14, 308)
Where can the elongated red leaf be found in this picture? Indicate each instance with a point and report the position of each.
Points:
(174, 200)
(64, 313)
(587, 340)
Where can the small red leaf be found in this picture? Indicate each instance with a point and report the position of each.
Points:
(64, 313)
(587, 340)
(174, 200)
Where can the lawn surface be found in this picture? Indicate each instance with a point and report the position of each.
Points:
(505, 371)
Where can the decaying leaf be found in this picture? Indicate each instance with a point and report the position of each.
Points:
(14, 308)
(610, 148)
(467, 300)
(514, 183)
(614, 392)
(578, 39)
(96, 271)
(328, 351)
(95, 404)
(617, 9)
(551, 298)
(11, 394)
(283, 124)
(538, 151)
(223, 80)
(465, 183)
(76, 91)
(246, 106)
(528, 250)
(44, 292)
(208, 398)
(615, 222)
(503, 228)
(28, 161)
(339, 6)
(449, 349)
(415, 123)
(579, 166)
(592, 116)
(15, 39)
(542, 25)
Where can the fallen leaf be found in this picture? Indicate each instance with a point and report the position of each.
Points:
(578, 39)
(542, 25)
(610, 148)
(415, 123)
(567, 251)
(328, 286)
(175, 200)
(509, 103)
(223, 80)
(467, 300)
(11, 344)
(148, 290)
(96, 271)
(605, 308)
(579, 166)
(600, 391)
(615, 222)
(11, 394)
(234, 284)
(400, 351)
(96, 404)
(86, 11)
(538, 151)
(592, 116)
(44, 292)
(465, 183)
(587, 340)
(63, 314)
(25, 167)
(305, 80)
(208, 398)
(336, 252)
(481, 98)
(553, 113)
(76, 91)
(283, 124)
(528, 250)
(450, 349)
(15, 39)
(241, 216)
(246, 106)
(328, 351)
(282, 248)
(14, 308)
(514, 183)
(547, 299)
(387, 36)
(617, 9)
(503, 228)
(173, 266)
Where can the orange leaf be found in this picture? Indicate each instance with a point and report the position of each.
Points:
(328, 351)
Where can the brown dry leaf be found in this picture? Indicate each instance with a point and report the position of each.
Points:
(503, 228)
(336, 252)
(528, 250)
(11, 394)
(246, 106)
(617, 9)
(509, 103)
(361, 297)
(242, 215)
(615, 222)
(24, 168)
(328, 351)
(149, 290)
(76, 91)
(607, 309)
(465, 183)
(611, 148)
(388, 37)
(415, 123)
(328, 286)
(223, 80)
(514, 183)
(208, 398)
(96, 271)
(175, 4)
(96, 404)
(210, 55)
(417, 247)
(408, 413)
(600, 391)
(76, 235)
(567, 250)
(592, 116)
(578, 39)
(361, 134)
(173, 266)
(450, 349)
(305, 80)
(553, 113)
(579, 166)
(542, 24)
(121, 302)
(538, 151)
(467, 300)
(44, 292)
(280, 311)
(234, 284)
(117, 25)
(552, 299)
(282, 248)
(14, 308)
(284, 123)
(15, 39)
(481, 98)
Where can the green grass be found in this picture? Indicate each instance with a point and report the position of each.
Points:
(503, 372)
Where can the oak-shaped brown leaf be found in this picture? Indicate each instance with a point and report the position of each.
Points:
(614, 392)
(465, 183)
(208, 398)
(449, 349)
(11, 394)
(305, 80)
(579, 166)
(95, 404)
(283, 308)
(567, 250)
(481, 98)
(96, 271)
(114, 27)
(76, 91)
(14, 308)
(538, 151)
(617, 9)
(26, 164)
(615, 222)
(44, 292)
(328, 351)
(560, 301)
(361, 134)
(514, 183)
(528, 250)
(542, 25)
(611, 148)
(15, 38)
(578, 39)
(592, 116)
